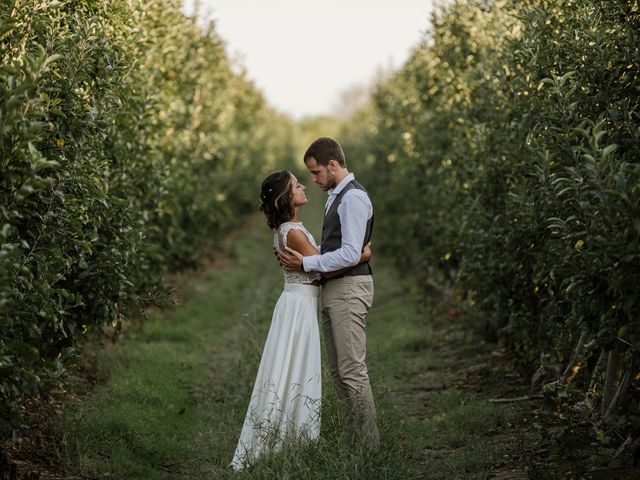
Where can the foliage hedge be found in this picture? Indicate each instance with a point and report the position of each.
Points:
(128, 146)
(504, 158)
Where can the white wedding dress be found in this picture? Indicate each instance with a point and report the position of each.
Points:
(285, 403)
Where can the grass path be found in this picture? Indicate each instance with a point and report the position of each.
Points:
(172, 393)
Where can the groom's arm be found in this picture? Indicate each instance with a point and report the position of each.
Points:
(354, 212)
(364, 257)
(291, 260)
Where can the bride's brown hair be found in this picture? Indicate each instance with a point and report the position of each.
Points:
(276, 197)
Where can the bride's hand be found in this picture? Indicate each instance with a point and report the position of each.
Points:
(366, 253)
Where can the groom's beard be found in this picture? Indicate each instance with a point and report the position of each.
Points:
(331, 183)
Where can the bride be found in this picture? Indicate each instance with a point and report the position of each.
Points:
(285, 403)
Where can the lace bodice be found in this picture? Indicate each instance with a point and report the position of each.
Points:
(280, 241)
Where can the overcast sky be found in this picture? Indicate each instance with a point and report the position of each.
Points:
(303, 53)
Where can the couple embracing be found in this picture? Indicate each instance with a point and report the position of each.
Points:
(286, 399)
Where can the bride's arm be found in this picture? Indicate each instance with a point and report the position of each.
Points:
(298, 241)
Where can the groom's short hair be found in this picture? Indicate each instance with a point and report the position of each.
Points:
(325, 149)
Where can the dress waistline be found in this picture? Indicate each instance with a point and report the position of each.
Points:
(302, 289)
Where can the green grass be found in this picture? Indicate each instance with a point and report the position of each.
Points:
(160, 381)
(173, 392)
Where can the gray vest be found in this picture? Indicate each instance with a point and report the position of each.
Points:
(332, 234)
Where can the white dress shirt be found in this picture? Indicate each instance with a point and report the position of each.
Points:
(354, 212)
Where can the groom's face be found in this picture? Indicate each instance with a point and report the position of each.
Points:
(323, 176)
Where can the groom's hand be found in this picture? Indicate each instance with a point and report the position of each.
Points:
(275, 252)
(290, 260)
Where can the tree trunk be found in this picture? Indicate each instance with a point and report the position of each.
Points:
(613, 363)
(589, 395)
(596, 371)
(576, 354)
(620, 398)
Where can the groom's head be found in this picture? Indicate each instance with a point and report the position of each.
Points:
(325, 160)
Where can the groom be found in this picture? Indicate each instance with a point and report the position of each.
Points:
(346, 299)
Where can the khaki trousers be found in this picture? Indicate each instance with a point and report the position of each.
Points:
(345, 304)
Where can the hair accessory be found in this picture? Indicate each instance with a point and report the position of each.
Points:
(264, 197)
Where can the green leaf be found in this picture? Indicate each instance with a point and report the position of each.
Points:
(46, 165)
(608, 150)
